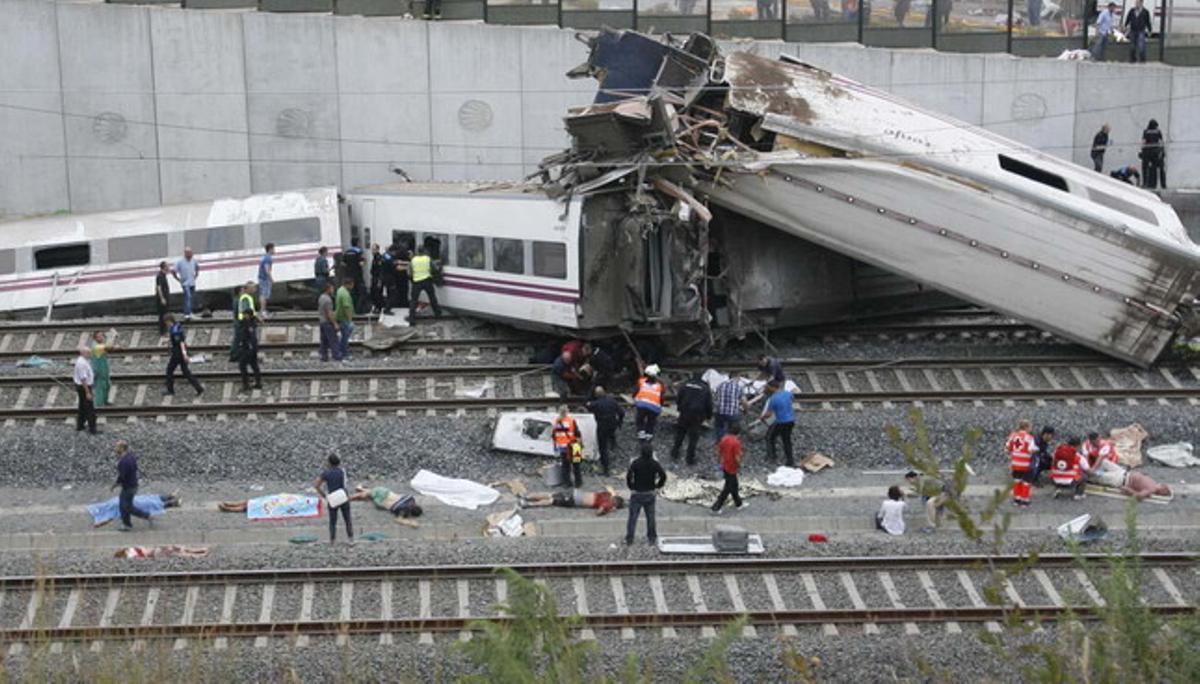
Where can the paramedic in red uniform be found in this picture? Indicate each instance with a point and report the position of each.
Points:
(1021, 449)
(1067, 469)
(1094, 449)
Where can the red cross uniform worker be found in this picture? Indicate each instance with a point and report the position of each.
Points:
(1067, 468)
(1021, 448)
(1095, 449)
(568, 444)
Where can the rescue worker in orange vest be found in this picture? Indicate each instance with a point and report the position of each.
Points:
(648, 401)
(1095, 449)
(1021, 450)
(1067, 469)
(568, 444)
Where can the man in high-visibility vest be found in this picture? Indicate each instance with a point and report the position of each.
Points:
(248, 338)
(568, 444)
(648, 401)
(1067, 469)
(420, 270)
(1095, 449)
(243, 308)
(1021, 450)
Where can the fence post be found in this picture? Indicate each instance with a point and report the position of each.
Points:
(860, 21)
(1008, 43)
(560, 24)
(1162, 29)
(708, 16)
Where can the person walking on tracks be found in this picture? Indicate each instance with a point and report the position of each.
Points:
(127, 480)
(694, 399)
(648, 402)
(568, 444)
(179, 358)
(343, 314)
(332, 486)
(609, 416)
(779, 405)
(729, 449)
(644, 477)
(85, 380)
(248, 352)
(162, 294)
(103, 376)
(266, 277)
(421, 271)
(328, 325)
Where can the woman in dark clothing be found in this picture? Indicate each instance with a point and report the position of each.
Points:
(332, 485)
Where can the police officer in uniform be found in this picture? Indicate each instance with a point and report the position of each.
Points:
(248, 338)
(694, 399)
(179, 357)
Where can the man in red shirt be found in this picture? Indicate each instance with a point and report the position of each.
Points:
(1067, 469)
(729, 449)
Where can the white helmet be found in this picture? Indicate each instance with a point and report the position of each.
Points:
(652, 370)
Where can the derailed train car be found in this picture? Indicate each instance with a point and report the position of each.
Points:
(866, 175)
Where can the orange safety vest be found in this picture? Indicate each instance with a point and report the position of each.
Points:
(1105, 450)
(1020, 448)
(1065, 469)
(564, 432)
(649, 392)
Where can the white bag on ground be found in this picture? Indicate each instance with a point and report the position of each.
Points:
(452, 491)
(1178, 455)
(786, 477)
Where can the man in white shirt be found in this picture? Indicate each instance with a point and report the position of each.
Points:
(84, 380)
(1104, 29)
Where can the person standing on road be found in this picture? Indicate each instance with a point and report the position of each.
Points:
(328, 324)
(1154, 158)
(266, 277)
(695, 403)
(648, 402)
(332, 486)
(731, 401)
(103, 377)
(187, 270)
(609, 416)
(321, 269)
(162, 294)
(644, 477)
(729, 449)
(179, 358)
(127, 480)
(779, 405)
(343, 313)
(1099, 146)
(421, 272)
(1137, 29)
(85, 379)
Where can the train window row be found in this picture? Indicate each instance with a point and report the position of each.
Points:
(284, 232)
(508, 255)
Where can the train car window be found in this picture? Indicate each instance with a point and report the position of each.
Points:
(219, 239)
(404, 238)
(1127, 208)
(62, 256)
(468, 252)
(137, 248)
(508, 256)
(8, 261)
(1033, 173)
(550, 260)
(437, 245)
(295, 231)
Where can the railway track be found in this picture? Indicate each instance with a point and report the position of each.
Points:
(680, 599)
(462, 389)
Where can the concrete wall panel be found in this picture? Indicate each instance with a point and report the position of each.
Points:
(946, 83)
(383, 101)
(108, 96)
(546, 93)
(33, 167)
(1183, 133)
(200, 87)
(476, 101)
(1124, 96)
(292, 104)
(1031, 101)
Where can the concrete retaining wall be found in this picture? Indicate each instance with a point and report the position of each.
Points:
(111, 106)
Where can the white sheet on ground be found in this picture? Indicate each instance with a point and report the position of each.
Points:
(1178, 455)
(452, 491)
(786, 477)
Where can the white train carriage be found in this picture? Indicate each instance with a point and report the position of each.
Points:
(505, 254)
(103, 257)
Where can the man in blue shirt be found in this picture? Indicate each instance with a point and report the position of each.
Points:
(779, 405)
(265, 277)
(127, 480)
(1104, 29)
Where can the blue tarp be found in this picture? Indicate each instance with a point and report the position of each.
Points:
(110, 510)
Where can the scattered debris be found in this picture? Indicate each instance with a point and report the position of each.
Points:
(817, 538)
(1128, 443)
(786, 477)
(506, 524)
(198, 358)
(816, 462)
(528, 432)
(274, 334)
(479, 391)
(394, 320)
(382, 343)
(34, 361)
(167, 551)
(302, 539)
(452, 491)
(693, 490)
(1084, 529)
(1178, 455)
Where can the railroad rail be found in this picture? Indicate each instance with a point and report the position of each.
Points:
(783, 594)
(463, 388)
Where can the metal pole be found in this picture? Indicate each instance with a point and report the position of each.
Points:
(708, 16)
(783, 19)
(560, 24)
(1009, 41)
(1085, 23)
(860, 20)
(933, 25)
(635, 15)
(1162, 29)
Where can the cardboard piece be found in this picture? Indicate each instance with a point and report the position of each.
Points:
(1128, 442)
(815, 462)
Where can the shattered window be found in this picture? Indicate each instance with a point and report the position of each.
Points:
(437, 245)
(508, 256)
(469, 252)
(63, 256)
(550, 260)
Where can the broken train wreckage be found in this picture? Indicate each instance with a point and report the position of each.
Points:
(768, 193)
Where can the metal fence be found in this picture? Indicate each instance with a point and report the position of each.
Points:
(1021, 27)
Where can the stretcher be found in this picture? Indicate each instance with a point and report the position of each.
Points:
(703, 546)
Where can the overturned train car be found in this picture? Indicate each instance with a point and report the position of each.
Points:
(866, 175)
